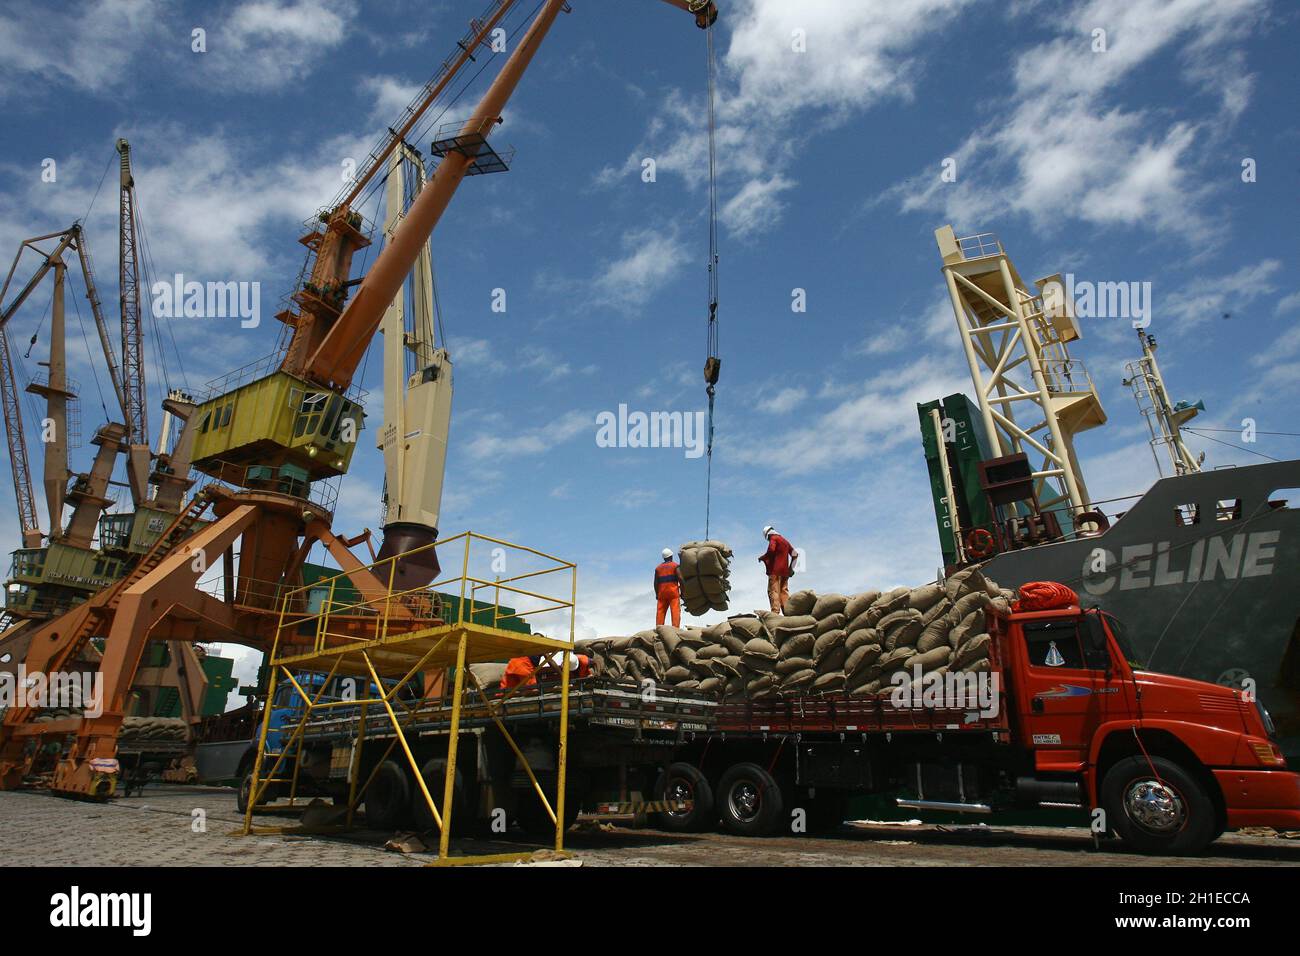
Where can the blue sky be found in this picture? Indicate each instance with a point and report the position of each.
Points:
(1115, 165)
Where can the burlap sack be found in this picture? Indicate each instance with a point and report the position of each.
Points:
(798, 645)
(828, 641)
(800, 602)
(974, 649)
(792, 665)
(859, 603)
(828, 604)
(830, 622)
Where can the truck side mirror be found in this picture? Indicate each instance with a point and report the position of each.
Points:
(1097, 644)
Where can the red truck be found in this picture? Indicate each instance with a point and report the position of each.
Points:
(1062, 716)
(1065, 718)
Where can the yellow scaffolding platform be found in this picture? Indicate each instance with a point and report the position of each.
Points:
(392, 658)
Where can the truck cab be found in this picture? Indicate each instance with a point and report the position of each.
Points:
(1170, 762)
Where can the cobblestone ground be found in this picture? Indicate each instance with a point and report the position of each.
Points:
(157, 829)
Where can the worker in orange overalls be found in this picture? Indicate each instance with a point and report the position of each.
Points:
(668, 589)
(527, 670)
(520, 670)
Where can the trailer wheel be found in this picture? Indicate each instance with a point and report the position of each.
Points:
(684, 782)
(434, 772)
(749, 801)
(1165, 811)
(388, 798)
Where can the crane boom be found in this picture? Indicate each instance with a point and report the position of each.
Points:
(133, 381)
(134, 390)
(27, 522)
(335, 358)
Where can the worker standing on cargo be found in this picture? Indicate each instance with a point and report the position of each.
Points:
(779, 561)
(668, 589)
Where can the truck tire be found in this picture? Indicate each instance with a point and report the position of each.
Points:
(682, 781)
(749, 801)
(434, 772)
(245, 791)
(1167, 811)
(387, 801)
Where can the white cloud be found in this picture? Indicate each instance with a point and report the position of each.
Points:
(391, 95)
(650, 258)
(90, 46)
(771, 98)
(1210, 297)
(474, 353)
(1058, 149)
(507, 442)
(879, 415)
(756, 207)
(786, 400)
(1288, 303)
(266, 44)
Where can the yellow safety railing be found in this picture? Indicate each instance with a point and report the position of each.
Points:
(532, 582)
(542, 590)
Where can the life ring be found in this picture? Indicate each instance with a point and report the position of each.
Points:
(980, 543)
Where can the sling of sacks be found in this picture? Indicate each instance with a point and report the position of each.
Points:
(705, 568)
(824, 644)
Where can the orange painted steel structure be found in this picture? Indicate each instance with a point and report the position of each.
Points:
(274, 530)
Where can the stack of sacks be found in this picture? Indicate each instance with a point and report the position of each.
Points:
(823, 644)
(688, 658)
(705, 570)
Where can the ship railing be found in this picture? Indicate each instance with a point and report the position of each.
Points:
(980, 246)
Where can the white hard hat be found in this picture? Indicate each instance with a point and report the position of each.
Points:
(667, 553)
(767, 529)
(557, 660)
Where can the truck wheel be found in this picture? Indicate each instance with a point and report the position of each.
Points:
(1167, 811)
(246, 792)
(749, 801)
(434, 772)
(388, 798)
(684, 782)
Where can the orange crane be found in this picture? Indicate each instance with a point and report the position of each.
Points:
(73, 239)
(271, 436)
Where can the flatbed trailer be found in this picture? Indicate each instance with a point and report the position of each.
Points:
(1059, 716)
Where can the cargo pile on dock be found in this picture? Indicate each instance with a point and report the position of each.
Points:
(823, 644)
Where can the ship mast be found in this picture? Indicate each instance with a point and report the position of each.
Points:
(1163, 417)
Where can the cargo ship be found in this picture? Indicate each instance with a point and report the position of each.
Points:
(1201, 568)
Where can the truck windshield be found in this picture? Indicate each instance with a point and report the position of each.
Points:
(1125, 646)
